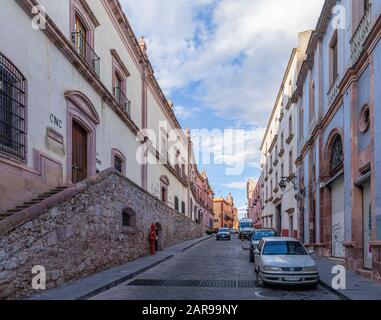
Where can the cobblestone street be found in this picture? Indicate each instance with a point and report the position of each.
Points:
(210, 260)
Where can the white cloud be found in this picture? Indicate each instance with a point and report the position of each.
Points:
(234, 50)
(233, 147)
(184, 113)
(235, 185)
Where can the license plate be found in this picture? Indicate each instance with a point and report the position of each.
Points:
(292, 278)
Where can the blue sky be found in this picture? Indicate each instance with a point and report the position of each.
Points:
(221, 62)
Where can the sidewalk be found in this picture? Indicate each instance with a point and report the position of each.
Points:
(358, 287)
(88, 287)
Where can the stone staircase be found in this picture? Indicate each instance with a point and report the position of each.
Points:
(31, 202)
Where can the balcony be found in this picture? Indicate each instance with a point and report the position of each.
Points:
(275, 163)
(334, 91)
(289, 139)
(273, 142)
(85, 50)
(281, 116)
(122, 100)
(281, 153)
(271, 171)
(360, 36)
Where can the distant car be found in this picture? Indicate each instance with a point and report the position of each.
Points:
(246, 229)
(284, 261)
(258, 235)
(233, 231)
(223, 233)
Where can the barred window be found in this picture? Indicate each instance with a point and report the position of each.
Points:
(12, 109)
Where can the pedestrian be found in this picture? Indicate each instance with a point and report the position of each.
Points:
(152, 239)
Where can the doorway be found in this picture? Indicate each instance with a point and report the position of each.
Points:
(338, 218)
(159, 234)
(79, 153)
(367, 225)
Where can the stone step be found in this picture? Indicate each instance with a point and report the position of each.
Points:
(32, 202)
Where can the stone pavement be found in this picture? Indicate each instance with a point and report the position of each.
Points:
(357, 287)
(97, 283)
(212, 270)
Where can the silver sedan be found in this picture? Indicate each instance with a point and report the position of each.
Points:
(284, 261)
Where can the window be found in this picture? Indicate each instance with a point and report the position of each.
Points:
(337, 154)
(183, 207)
(312, 102)
(334, 60)
(176, 203)
(80, 37)
(282, 170)
(118, 163)
(12, 109)
(282, 141)
(291, 164)
(119, 82)
(290, 126)
(164, 184)
(128, 220)
(82, 25)
(301, 122)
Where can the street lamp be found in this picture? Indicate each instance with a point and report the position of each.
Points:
(284, 180)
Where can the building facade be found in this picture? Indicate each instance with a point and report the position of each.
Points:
(278, 149)
(339, 150)
(254, 202)
(78, 95)
(223, 212)
(202, 199)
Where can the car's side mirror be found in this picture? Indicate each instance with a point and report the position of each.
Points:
(311, 252)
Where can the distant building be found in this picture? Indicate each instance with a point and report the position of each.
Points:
(279, 152)
(254, 203)
(224, 212)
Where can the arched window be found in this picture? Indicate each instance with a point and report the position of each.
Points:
(12, 109)
(337, 154)
(183, 207)
(128, 220)
(176, 203)
(118, 161)
(164, 184)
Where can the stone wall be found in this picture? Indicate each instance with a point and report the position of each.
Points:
(84, 234)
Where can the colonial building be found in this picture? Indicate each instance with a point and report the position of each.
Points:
(223, 212)
(202, 199)
(339, 138)
(278, 149)
(254, 202)
(78, 95)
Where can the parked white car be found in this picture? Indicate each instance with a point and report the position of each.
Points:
(284, 261)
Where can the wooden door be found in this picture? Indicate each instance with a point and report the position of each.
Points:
(79, 153)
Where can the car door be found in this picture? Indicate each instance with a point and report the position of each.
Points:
(257, 257)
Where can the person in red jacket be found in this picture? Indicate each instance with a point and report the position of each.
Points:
(152, 239)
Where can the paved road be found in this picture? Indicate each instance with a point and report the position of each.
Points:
(210, 260)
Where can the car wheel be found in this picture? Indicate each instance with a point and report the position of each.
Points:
(251, 256)
(260, 282)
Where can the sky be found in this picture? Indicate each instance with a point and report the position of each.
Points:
(222, 62)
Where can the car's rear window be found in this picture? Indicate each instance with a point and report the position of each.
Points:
(224, 230)
(287, 248)
(259, 235)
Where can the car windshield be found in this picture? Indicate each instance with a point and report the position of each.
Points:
(287, 248)
(246, 225)
(259, 235)
(224, 230)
